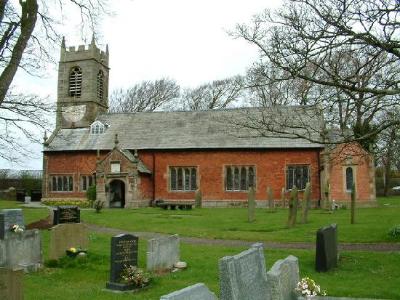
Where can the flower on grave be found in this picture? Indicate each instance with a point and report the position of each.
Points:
(308, 288)
(16, 228)
(134, 275)
(72, 250)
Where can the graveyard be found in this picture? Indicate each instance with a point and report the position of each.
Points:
(213, 243)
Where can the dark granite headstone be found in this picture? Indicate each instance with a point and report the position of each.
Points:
(326, 256)
(20, 195)
(124, 252)
(36, 195)
(8, 218)
(67, 214)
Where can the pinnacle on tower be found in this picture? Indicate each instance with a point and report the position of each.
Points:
(93, 42)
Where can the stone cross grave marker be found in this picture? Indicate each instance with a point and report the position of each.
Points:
(243, 276)
(124, 252)
(66, 214)
(8, 218)
(11, 284)
(197, 291)
(162, 252)
(283, 278)
(21, 250)
(326, 255)
(65, 236)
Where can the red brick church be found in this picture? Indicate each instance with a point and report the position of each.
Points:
(134, 158)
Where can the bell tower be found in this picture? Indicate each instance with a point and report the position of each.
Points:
(82, 85)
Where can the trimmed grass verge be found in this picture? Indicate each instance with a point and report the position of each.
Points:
(360, 274)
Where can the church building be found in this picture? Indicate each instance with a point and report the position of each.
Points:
(136, 158)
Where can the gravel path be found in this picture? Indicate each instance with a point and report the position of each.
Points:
(378, 247)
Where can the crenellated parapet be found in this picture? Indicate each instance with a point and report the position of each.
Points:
(84, 52)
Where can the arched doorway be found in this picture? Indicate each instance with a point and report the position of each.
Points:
(117, 194)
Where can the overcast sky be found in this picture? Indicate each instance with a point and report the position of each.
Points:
(150, 39)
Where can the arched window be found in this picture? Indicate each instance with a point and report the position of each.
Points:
(75, 82)
(97, 128)
(100, 85)
(349, 178)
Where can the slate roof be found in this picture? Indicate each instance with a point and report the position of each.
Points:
(211, 129)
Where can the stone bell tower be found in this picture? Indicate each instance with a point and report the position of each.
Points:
(82, 85)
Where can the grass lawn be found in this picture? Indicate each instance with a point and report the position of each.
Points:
(360, 274)
(372, 224)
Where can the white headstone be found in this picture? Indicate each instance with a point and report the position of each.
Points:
(162, 253)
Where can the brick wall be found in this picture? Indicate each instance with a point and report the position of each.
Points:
(351, 155)
(73, 164)
(270, 168)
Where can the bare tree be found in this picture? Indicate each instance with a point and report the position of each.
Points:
(215, 95)
(27, 32)
(345, 54)
(145, 96)
(266, 85)
(388, 148)
(19, 114)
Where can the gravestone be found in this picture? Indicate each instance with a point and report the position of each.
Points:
(21, 250)
(283, 278)
(65, 236)
(124, 252)
(162, 253)
(66, 214)
(326, 256)
(8, 218)
(243, 276)
(197, 291)
(11, 287)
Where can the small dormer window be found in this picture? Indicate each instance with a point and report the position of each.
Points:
(75, 82)
(100, 85)
(97, 128)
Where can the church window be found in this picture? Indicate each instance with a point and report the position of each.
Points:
(61, 183)
(75, 82)
(183, 178)
(173, 178)
(297, 175)
(239, 178)
(100, 85)
(349, 179)
(97, 128)
(86, 182)
(229, 180)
